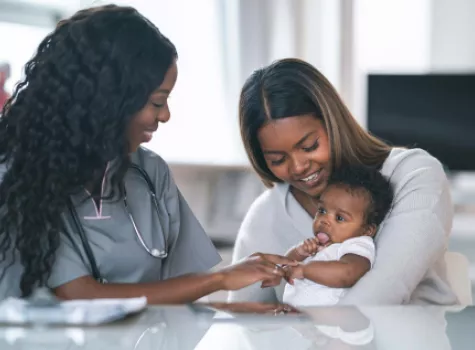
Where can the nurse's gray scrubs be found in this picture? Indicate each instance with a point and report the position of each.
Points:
(119, 254)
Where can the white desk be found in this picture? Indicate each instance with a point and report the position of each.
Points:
(179, 328)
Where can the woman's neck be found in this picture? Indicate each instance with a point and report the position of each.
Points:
(94, 187)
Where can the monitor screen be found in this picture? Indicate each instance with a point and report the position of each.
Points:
(435, 112)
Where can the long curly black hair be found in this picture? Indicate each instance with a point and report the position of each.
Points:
(67, 119)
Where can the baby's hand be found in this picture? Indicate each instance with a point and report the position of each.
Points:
(309, 247)
(293, 272)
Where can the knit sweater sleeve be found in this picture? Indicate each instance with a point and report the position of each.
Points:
(413, 236)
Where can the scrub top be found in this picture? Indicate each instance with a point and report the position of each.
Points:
(119, 255)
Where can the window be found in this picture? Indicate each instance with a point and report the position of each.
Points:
(18, 43)
(200, 127)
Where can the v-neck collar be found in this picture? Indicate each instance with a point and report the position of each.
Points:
(89, 199)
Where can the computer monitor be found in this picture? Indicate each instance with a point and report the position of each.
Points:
(435, 112)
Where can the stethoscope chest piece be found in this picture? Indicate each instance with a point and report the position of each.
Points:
(159, 253)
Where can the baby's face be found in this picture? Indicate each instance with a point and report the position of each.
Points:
(340, 215)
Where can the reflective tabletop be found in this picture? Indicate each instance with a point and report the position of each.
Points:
(261, 326)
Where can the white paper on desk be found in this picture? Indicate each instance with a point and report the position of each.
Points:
(75, 312)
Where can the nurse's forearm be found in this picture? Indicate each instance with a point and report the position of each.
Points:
(258, 267)
(176, 290)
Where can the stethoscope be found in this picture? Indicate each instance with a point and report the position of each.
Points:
(154, 252)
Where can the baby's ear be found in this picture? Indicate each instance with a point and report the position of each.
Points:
(370, 230)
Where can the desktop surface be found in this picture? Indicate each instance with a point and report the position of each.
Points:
(262, 326)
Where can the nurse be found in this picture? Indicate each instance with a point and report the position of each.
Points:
(84, 209)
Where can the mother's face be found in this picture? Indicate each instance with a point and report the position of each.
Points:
(296, 150)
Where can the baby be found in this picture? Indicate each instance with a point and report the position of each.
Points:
(349, 213)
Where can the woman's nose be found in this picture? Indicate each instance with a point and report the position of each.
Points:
(164, 116)
(299, 166)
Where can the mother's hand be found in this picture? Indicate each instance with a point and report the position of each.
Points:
(266, 268)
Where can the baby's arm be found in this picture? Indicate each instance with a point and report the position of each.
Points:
(343, 273)
(354, 258)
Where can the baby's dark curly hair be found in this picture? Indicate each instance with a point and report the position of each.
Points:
(378, 188)
(67, 119)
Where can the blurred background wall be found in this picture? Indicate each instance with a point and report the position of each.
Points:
(220, 42)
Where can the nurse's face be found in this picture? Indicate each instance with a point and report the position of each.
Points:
(145, 122)
(296, 150)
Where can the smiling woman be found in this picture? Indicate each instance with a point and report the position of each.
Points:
(304, 164)
(81, 202)
(297, 131)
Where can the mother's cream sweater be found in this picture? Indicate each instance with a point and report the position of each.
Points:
(410, 245)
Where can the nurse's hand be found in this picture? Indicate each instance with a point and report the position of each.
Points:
(259, 267)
